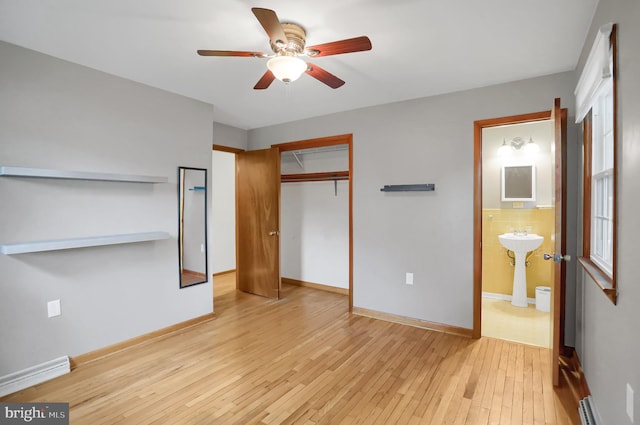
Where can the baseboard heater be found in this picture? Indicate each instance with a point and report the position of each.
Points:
(34, 375)
(587, 412)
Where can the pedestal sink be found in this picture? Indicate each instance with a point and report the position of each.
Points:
(520, 245)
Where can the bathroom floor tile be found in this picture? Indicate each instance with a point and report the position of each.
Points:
(526, 325)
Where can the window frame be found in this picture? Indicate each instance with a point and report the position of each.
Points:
(604, 278)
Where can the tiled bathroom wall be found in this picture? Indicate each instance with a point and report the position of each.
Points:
(497, 273)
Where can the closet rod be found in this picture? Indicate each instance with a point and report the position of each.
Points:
(315, 177)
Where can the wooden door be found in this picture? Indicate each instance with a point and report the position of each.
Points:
(258, 222)
(559, 128)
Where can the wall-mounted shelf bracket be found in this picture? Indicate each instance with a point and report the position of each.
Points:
(297, 158)
(408, 187)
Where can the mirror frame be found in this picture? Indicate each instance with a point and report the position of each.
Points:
(181, 192)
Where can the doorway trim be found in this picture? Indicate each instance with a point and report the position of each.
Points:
(478, 126)
(343, 139)
(234, 151)
(228, 149)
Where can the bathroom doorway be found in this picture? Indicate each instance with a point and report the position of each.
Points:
(558, 119)
(517, 153)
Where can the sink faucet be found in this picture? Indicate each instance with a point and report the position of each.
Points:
(519, 232)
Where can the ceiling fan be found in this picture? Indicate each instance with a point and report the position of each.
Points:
(288, 42)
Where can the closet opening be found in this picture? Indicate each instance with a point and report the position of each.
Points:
(316, 247)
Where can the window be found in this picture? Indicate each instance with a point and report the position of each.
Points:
(602, 176)
(596, 107)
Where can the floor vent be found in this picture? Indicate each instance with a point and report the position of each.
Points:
(587, 412)
(34, 375)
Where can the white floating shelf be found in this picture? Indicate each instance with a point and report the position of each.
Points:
(59, 244)
(77, 175)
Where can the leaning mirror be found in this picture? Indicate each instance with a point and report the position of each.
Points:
(192, 229)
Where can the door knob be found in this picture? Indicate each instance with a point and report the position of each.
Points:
(274, 233)
(557, 257)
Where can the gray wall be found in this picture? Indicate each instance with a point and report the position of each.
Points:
(226, 135)
(55, 114)
(427, 140)
(608, 339)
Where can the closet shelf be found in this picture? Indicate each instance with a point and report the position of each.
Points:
(6, 171)
(59, 244)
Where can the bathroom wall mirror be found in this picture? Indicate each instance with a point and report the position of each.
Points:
(518, 183)
(192, 228)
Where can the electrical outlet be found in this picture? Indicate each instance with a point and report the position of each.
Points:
(409, 279)
(53, 308)
(630, 402)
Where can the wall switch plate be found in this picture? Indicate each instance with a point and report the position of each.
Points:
(53, 308)
(630, 402)
(409, 279)
(201, 247)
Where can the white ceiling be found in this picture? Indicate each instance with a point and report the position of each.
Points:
(420, 47)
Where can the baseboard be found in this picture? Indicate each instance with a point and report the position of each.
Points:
(100, 353)
(34, 375)
(224, 272)
(319, 286)
(418, 323)
(577, 367)
(574, 389)
(494, 296)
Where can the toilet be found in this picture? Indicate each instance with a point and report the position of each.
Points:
(543, 298)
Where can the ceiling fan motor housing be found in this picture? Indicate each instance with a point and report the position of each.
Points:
(296, 39)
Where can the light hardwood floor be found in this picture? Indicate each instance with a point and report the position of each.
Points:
(305, 360)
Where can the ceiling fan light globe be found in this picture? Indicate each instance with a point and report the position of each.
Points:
(286, 68)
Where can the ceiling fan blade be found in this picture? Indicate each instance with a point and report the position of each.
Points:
(323, 76)
(271, 24)
(231, 53)
(357, 44)
(265, 81)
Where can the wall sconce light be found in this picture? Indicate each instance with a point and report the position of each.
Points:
(504, 149)
(531, 147)
(516, 144)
